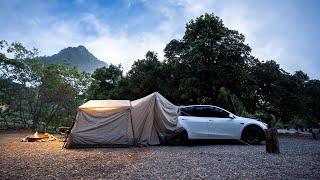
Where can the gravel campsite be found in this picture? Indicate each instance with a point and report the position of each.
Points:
(299, 159)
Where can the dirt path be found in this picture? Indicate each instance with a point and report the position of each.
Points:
(300, 158)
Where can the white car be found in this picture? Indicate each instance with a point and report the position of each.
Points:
(212, 122)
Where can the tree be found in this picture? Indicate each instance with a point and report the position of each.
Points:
(145, 76)
(208, 57)
(103, 81)
(59, 91)
(14, 71)
(211, 60)
(39, 93)
(210, 64)
(312, 91)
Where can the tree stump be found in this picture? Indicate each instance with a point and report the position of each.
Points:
(316, 133)
(272, 142)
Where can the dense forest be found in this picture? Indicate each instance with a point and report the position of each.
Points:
(210, 64)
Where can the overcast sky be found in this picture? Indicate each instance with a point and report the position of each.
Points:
(286, 31)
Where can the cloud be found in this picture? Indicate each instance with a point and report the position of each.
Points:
(150, 27)
(267, 33)
(123, 49)
(51, 33)
(120, 48)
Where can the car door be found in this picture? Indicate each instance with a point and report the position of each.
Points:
(194, 123)
(220, 124)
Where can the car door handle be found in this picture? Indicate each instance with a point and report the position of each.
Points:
(210, 120)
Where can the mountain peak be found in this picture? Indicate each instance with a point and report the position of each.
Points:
(76, 56)
(81, 47)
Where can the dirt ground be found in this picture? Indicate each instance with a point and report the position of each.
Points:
(299, 159)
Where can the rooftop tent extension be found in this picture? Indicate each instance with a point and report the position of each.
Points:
(153, 117)
(145, 121)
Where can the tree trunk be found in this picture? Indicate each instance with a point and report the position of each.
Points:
(233, 107)
(37, 112)
(45, 127)
(272, 142)
(214, 95)
(34, 122)
(3, 116)
(49, 119)
(35, 118)
(22, 118)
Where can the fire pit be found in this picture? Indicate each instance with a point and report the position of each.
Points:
(39, 137)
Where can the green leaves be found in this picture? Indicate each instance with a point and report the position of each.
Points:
(104, 80)
(145, 76)
(210, 64)
(37, 92)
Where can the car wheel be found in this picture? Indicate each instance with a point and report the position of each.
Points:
(252, 135)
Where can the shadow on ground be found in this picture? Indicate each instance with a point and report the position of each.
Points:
(218, 142)
(191, 143)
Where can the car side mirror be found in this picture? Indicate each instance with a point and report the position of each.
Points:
(231, 116)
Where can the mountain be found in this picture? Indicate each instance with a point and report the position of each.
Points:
(76, 56)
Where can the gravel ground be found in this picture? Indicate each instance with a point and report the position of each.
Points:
(299, 159)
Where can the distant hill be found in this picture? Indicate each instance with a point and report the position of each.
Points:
(76, 56)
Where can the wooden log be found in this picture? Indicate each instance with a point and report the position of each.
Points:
(272, 142)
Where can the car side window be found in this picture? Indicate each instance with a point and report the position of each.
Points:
(221, 113)
(204, 111)
(197, 111)
(214, 112)
(191, 111)
(185, 111)
(209, 112)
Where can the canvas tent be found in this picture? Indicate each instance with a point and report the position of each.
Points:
(145, 121)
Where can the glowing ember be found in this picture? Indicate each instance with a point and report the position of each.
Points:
(36, 135)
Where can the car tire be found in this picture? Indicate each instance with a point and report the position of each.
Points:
(252, 135)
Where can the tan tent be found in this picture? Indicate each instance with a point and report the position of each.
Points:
(145, 121)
